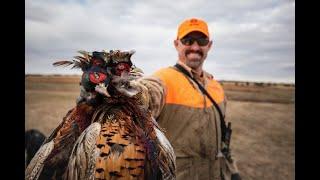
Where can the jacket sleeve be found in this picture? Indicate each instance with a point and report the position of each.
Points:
(155, 92)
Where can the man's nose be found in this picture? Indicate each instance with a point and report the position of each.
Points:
(195, 45)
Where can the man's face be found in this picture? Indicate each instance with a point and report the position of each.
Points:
(192, 54)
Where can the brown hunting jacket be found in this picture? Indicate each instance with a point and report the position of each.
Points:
(189, 118)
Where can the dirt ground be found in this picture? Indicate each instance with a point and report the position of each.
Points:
(263, 121)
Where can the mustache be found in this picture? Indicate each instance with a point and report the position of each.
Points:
(192, 51)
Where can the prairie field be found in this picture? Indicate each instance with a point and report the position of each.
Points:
(262, 116)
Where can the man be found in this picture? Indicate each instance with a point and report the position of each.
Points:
(191, 121)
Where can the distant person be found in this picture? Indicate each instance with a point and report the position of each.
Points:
(191, 120)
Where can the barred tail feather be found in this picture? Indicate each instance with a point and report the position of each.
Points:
(84, 53)
(167, 156)
(35, 167)
(63, 63)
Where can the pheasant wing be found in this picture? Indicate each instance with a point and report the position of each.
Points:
(83, 156)
(167, 157)
(36, 165)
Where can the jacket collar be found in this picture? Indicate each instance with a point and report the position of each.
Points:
(203, 77)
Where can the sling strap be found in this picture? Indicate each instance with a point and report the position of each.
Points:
(203, 90)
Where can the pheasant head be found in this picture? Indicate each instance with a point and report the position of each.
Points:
(104, 72)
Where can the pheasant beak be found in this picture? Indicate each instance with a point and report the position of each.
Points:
(102, 89)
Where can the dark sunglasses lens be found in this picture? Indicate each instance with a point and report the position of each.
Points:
(187, 41)
(203, 41)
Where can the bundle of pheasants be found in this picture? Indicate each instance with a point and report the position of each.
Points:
(110, 134)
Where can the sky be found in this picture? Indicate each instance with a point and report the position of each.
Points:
(253, 40)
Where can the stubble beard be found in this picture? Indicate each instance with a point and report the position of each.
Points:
(192, 61)
(194, 64)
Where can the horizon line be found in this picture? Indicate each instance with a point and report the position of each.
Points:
(221, 80)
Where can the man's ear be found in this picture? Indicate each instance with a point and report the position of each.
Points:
(176, 43)
(210, 44)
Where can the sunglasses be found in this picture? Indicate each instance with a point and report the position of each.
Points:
(188, 41)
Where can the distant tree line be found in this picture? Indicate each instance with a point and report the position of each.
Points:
(259, 84)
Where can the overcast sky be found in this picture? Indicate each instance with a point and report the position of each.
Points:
(253, 40)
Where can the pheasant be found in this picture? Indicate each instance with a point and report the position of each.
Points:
(122, 140)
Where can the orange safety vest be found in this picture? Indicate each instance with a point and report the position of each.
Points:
(181, 91)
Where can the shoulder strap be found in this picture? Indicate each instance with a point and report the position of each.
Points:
(203, 90)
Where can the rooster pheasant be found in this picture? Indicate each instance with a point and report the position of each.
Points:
(111, 131)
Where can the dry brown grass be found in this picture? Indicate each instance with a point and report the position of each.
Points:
(262, 119)
(263, 139)
(272, 94)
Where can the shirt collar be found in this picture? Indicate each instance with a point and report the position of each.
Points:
(203, 77)
(190, 71)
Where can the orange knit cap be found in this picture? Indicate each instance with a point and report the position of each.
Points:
(190, 25)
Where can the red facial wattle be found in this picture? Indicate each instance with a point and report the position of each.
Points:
(97, 77)
(122, 67)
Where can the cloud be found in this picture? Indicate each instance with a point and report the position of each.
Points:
(252, 40)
